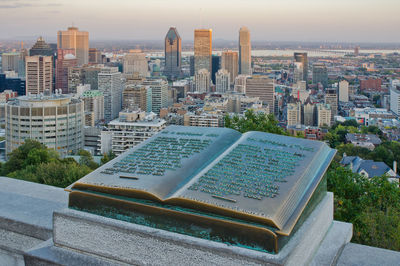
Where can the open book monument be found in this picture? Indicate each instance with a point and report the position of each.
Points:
(251, 190)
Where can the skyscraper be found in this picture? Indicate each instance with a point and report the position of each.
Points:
(216, 65)
(262, 87)
(229, 61)
(110, 84)
(320, 74)
(202, 50)
(41, 48)
(223, 81)
(77, 40)
(331, 99)
(302, 58)
(135, 62)
(39, 74)
(202, 80)
(173, 53)
(244, 51)
(95, 56)
(65, 60)
(159, 94)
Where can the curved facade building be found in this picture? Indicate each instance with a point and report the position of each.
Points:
(173, 54)
(56, 121)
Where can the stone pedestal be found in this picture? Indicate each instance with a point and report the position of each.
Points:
(91, 239)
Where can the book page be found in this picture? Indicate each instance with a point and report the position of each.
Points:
(162, 164)
(261, 178)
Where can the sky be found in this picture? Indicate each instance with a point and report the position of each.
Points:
(268, 20)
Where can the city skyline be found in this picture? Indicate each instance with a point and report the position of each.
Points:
(311, 20)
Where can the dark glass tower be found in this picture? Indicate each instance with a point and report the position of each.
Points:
(216, 65)
(173, 54)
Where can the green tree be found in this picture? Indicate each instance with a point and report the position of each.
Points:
(108, 157)
(86, 158)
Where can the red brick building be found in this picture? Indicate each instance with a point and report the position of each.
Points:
(371, 84)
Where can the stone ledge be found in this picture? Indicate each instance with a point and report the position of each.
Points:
(131, 243)
(355, 254)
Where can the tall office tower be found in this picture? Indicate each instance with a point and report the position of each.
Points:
(202, 50)
(240, 83)
(13, 84)
(10, 62)
(173, 54)
(95, 56)
(308, 114)
(262, 87)
(77, 40)
(41, 48)
(395, 100)
(83, 75)
(94, 106)
(202, 80)
(134, 96)
(229, 61)
(344, 91)
(223, 81)
(39, 74)
(191, 62)
(331, 99)
(323, 115)
(216, 65)
(356, 50)
(53, 120)
(320, 74)
(159, 94)
(135, 62)
(244, 51)
(298, 72)
(302, 58)
(294, 114)
(110, 84)
(65, 60)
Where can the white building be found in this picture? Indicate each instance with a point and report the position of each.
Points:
(203, 120)
(395, 100)
(158, 90)
(135, 62)
(240, 83)
(343, 91)
(94, 107)
(110, 84)
(294, 114)
(223, 80)
(129, 130)
(54, 120)
(202, 80)
(323, 115)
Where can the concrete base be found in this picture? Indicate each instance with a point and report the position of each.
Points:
(89, 236)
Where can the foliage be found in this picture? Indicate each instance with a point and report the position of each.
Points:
(254, 122)
(33, 162)
(108, 157)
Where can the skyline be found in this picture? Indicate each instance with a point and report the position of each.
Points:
(287, 20)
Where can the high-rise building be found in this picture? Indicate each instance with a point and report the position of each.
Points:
(323, 115)
(134, 96)
(95, 56)
(77, 40)
(83, 75)
(10, 62)
(395, 100)
(229, 61)
(173, 54)
(244, 51)
(294, 114)
(320, 74)
(39, 74)
(110, 84)
(14, 84)
(54, 120)
(202, 80)
(262, 87)
(331, 99)
(41, 48)
(65, 60)
(216, 65)
(135, 62)
(298, 72)
(94, 106)
(223, 81)
(159, 94)
(344, 91)
(202, 50)
(303, 59)
(308, 114)
(240, 83)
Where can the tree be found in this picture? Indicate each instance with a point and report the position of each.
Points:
(86, 158)
(108, 157)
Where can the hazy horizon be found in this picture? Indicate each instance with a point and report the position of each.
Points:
(340, 21)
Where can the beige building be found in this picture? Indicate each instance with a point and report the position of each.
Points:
(203, 120)
(39, 74)
(229, 61)
(77, 40)
(323, 115)
(344, 91)
(134, 96)
(94, 107)
(202, 80)
(244, 51)
(55, 121)
(294, 114)
(331, 98)
(135, 63)
(223, 80)
(262, 87)
(308, 114)
(202, 50)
